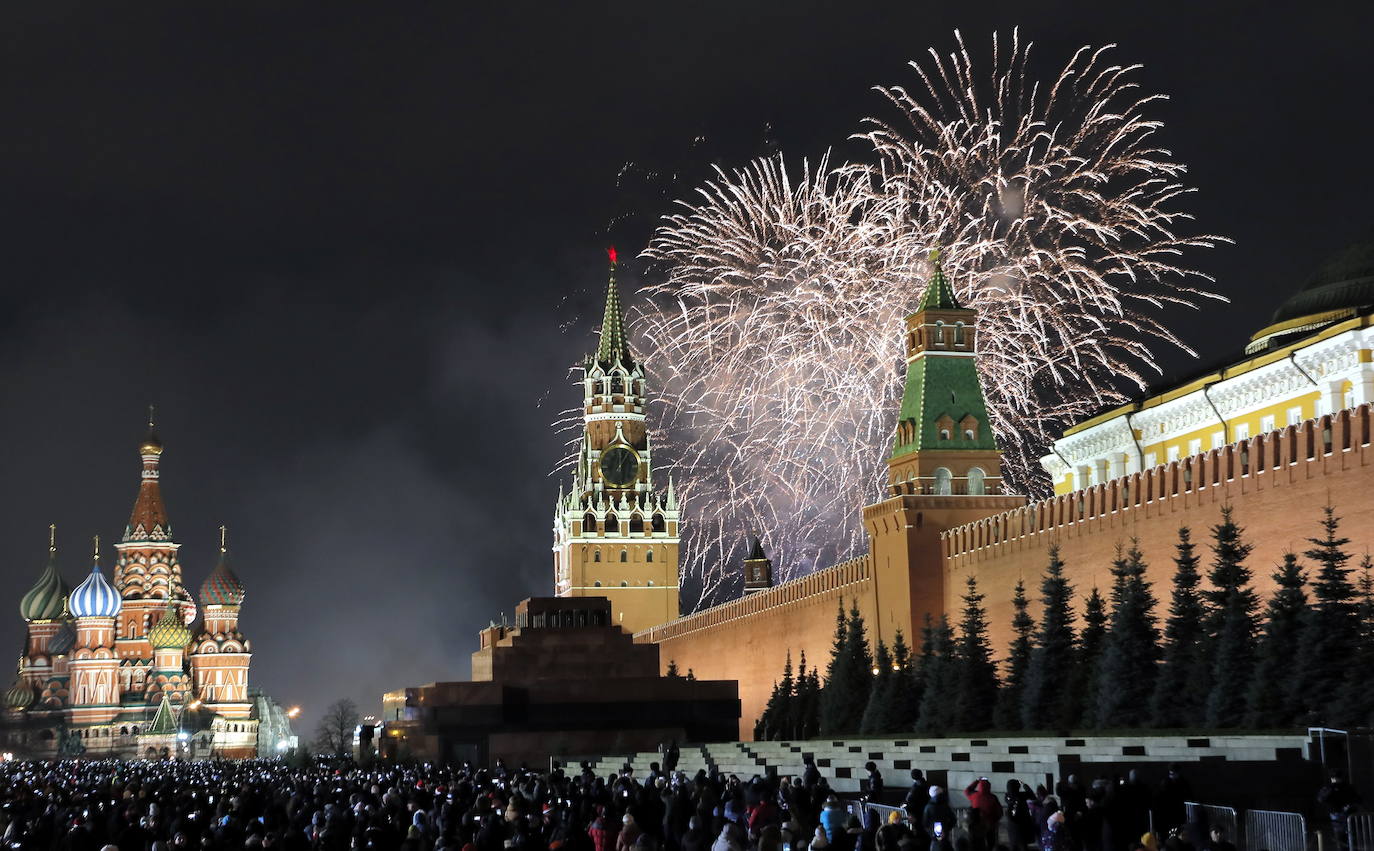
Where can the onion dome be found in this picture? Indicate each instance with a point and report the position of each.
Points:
(19, 696)
(96, 597)
(63, 640)
(44, 600)
(222, 587)
(169, 631)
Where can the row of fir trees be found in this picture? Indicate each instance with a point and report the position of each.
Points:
(1212, 660)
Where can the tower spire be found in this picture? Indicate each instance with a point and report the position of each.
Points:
(148, 522)
(613, 343)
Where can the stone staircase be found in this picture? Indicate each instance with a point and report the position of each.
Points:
(958, 762)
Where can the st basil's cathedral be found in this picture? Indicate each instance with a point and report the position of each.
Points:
(121, 665)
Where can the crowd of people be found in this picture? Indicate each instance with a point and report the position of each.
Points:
(160, 806)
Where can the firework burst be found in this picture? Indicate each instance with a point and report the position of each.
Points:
(776, 325)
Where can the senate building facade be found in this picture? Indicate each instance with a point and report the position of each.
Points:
(129, 663)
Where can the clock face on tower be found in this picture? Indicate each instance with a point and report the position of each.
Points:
(619, 467)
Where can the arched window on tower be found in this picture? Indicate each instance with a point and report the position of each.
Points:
(943, 481)
(976, 481)
(596, 556)
(636, 524)
(649, 556)
(589, 523)
(958, 333)
(939, 333)
(624, 556)
(617, 383)
(612, 523)
(659, 525)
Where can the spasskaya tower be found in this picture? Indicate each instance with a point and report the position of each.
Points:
(615, 536)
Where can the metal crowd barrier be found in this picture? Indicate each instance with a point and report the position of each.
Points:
(1267, 830)
(1210, 816)
(1359, 833)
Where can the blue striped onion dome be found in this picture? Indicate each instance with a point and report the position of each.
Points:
(63, 641)
(222, 587)
(19, 695)
(44, 600)
(94, 598)
(169, 631)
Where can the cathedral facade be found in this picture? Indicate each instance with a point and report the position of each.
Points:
(128, 664)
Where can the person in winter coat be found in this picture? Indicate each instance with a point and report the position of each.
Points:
(833, 817)
(731, 838)
(695, 839)
(602, 838)
(1020, 819)
(1054, 836)
(938, 811)
(875, 781)
(629, 832)
(982, 799)
(1340, 800)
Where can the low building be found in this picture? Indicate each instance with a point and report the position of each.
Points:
(563, 682)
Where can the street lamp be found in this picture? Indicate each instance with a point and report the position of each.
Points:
(293, 712)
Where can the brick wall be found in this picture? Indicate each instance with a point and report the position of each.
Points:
(1277, 484)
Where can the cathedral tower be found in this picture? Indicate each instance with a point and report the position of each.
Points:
(148, 572)
(944, 469)
(94, 684)
(614, 535)
(42, 608)
(220, 654)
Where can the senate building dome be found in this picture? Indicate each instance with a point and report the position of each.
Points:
(1341, 287)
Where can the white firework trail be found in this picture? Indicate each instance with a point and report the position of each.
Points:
(774, 332)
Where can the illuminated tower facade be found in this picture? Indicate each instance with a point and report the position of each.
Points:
(94, 684)
(220, 654)
(43, 610)
(944, 470)
(615, 535)
(147, 573)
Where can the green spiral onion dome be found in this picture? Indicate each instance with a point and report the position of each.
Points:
(44, 600)
(19, 696)
(169, 631)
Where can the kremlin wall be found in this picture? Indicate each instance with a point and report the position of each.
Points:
(1139, 472)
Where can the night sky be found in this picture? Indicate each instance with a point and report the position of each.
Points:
(350, 252)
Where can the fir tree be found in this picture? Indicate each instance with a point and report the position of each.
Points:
(779, 707)
(1082, 707)
(1178, 699)
(849, 680)
(877, 715)
(798, 719)
(905, 691)
(941, 673)
(1231, 628)
(1052, 658)
(1126, 672)
(924, 661)
(976, 696)
(672, 670)
(1008, 716)
(1268, 703)
(1356, 703)
(1331, 631)
(831, 708)
(811, 717)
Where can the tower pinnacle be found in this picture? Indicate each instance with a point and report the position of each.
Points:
(613, 342)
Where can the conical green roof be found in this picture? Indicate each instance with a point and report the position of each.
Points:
(613, 341)
(939, 294)
(164, 722)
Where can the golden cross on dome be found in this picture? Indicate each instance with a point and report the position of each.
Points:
(223, 533)
(151, 418)
(52, 537)
(97, 548)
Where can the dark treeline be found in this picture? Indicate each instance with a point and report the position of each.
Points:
(1212, 655)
